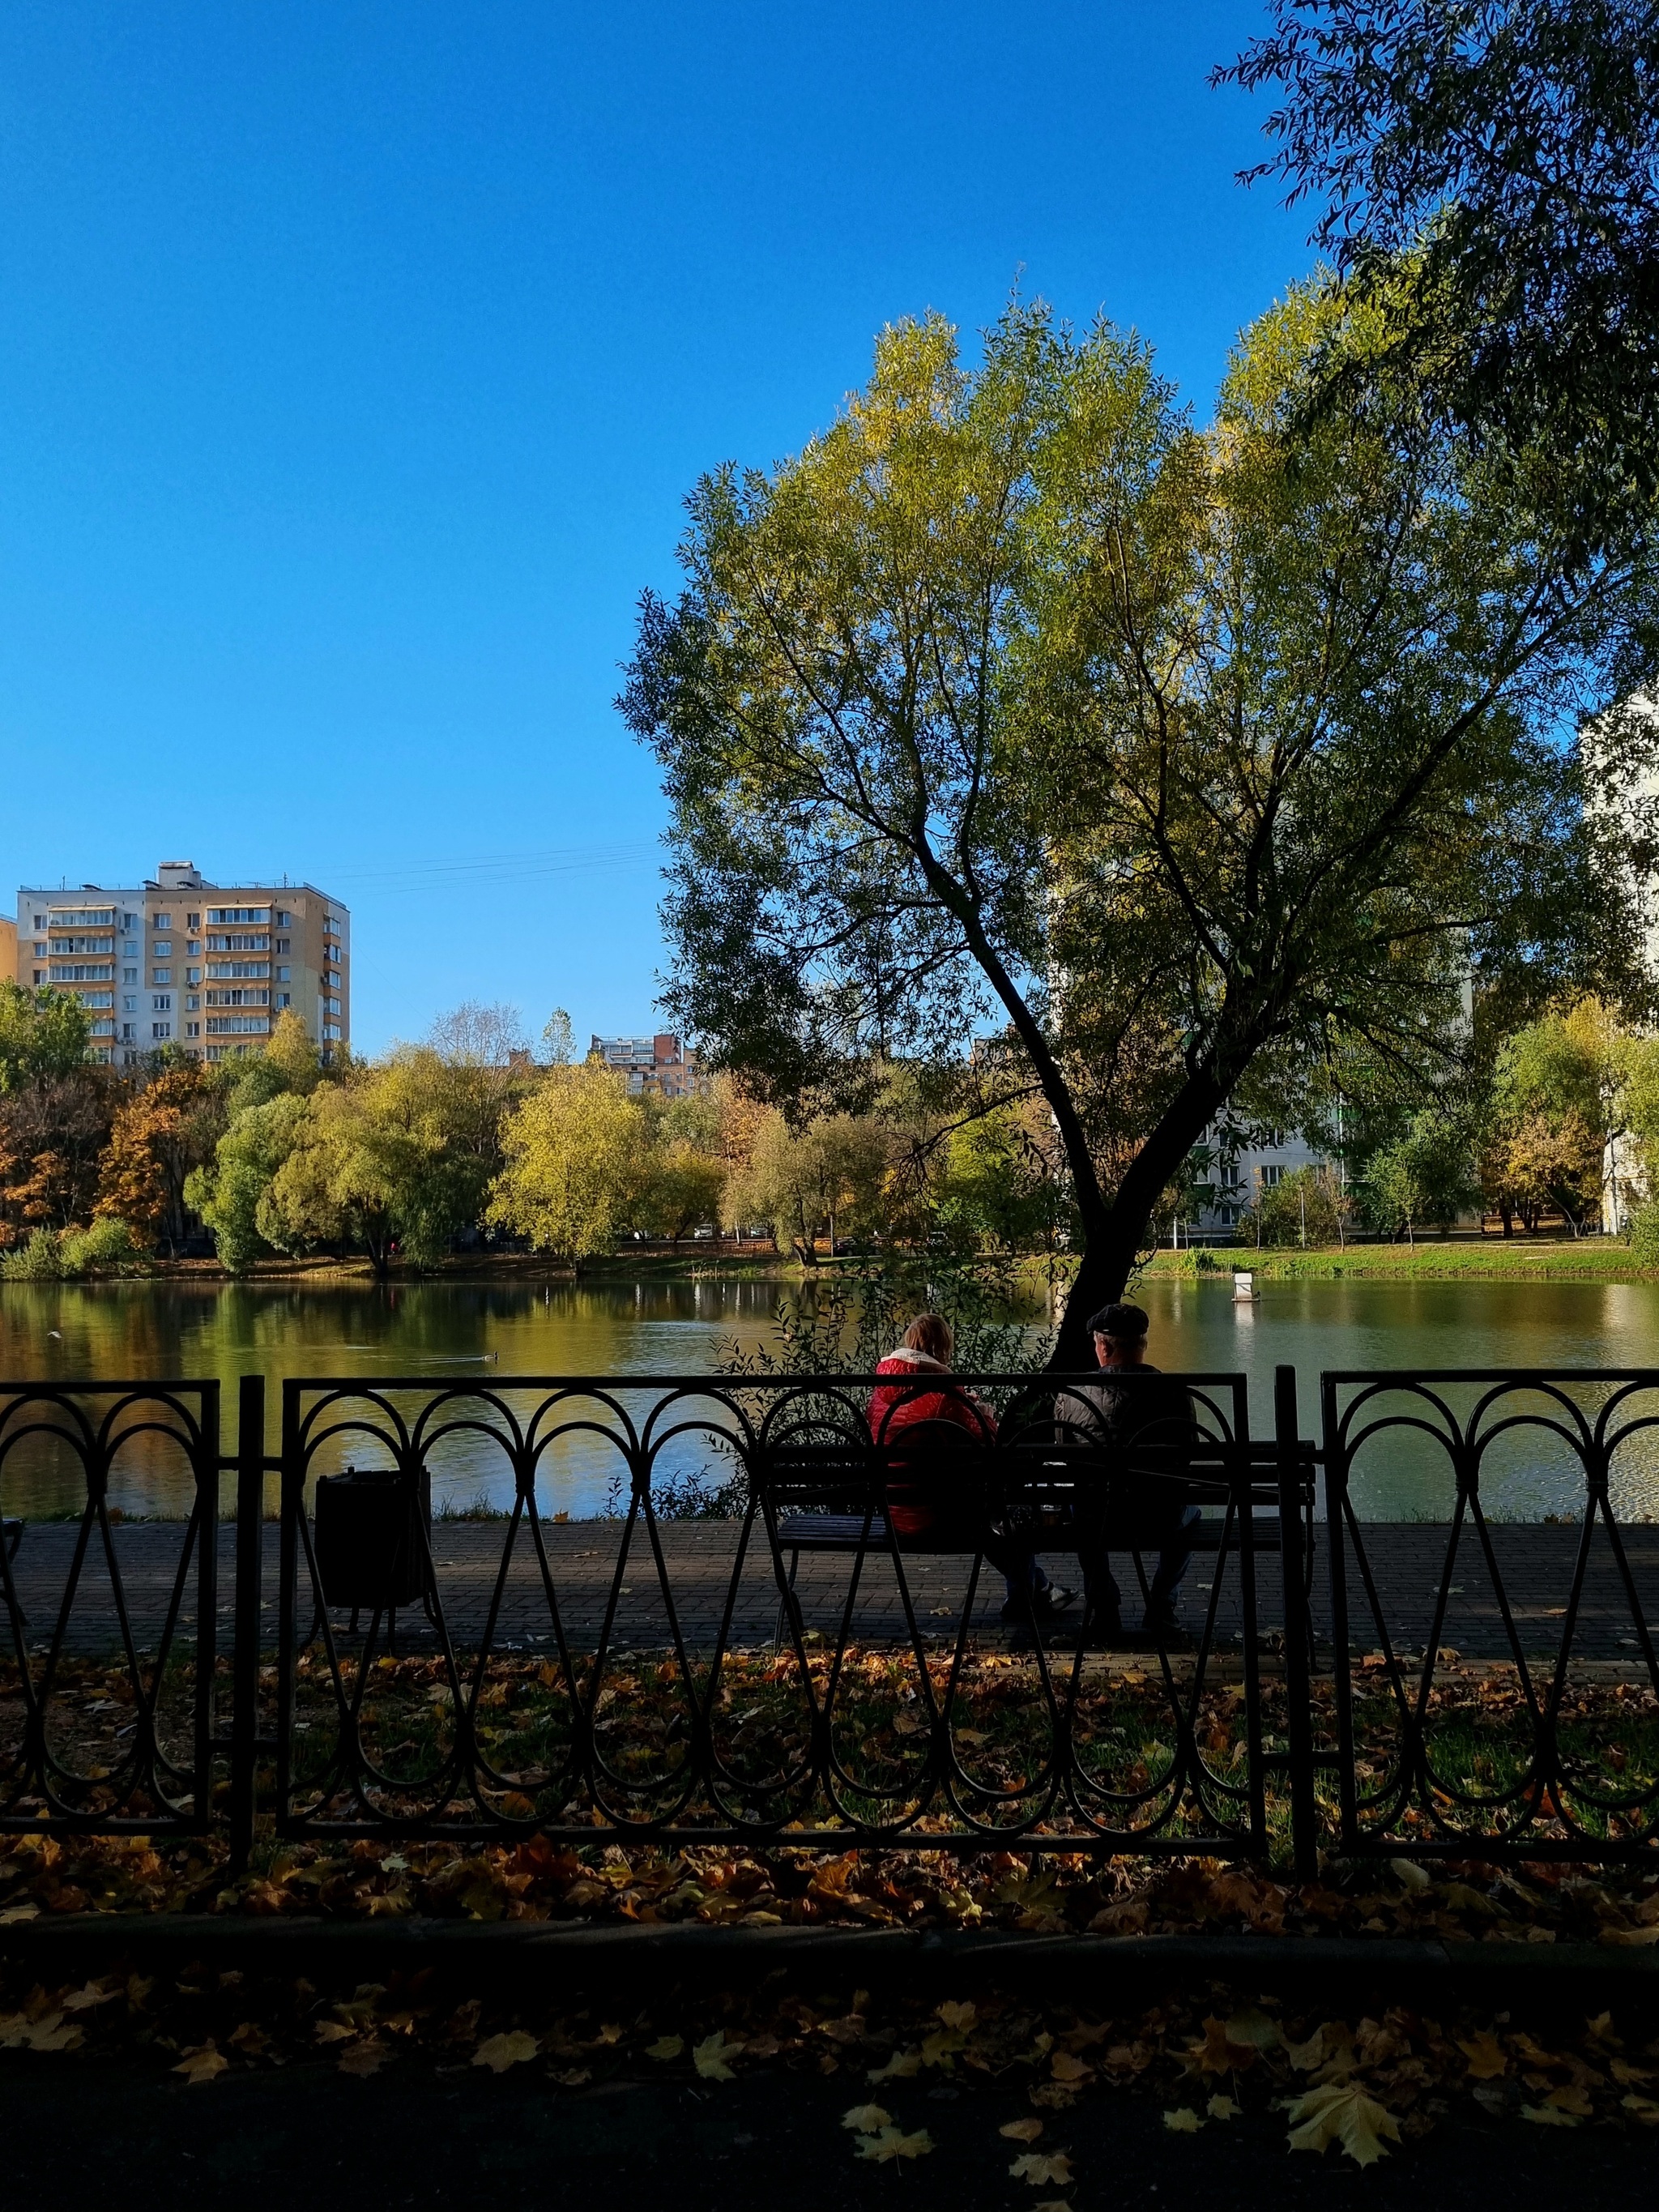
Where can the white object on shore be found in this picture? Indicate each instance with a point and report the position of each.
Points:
(1244, 1289)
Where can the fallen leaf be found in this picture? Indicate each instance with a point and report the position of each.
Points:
(866, 2119)
(893, 2142)
(1342, 2113)
(201, 2064)
(83, 2000)
(1641, 2108)
(1251, 2030)
(1065, 2068)
(1183, 2121)
(1223, 2108)
(1549, 2116)
(961, 2016)
(1630, 1938)
(1021, 2131)
(1040, 2165)
(1486, 2056)
(512, 2048)
(1411, 1876)
(573, 2076)
(710, 2056)
(899, 2068)
(364, 2058)
(665, 2047)
(333, 2031)
(50, 2032)
(1573, 2100)
(250, 2038)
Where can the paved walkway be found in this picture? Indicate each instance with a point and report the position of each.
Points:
(1536, 1564)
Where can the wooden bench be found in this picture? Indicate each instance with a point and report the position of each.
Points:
(833, 1499)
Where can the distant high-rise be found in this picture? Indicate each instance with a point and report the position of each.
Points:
(181, 961)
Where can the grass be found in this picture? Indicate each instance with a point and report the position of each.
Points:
(1491, 1259)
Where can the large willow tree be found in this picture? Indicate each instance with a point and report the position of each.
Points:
(1019, 726)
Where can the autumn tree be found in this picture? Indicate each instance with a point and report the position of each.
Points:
(578, 1163)
(44, 1035)
(1016, 708)
(53, 1130)
(163, 1133)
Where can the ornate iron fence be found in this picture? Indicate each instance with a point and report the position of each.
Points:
(680, 1698)
(1528, 1765)
(790, 1629)
(137, 1755)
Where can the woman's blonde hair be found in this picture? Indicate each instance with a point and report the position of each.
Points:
(930, 1332)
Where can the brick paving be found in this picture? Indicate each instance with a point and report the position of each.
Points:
(1536, 1563)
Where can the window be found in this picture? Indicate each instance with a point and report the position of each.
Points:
(332, 952)
(160, 974)
(193, 974)
(103, 1029)
(192, 921)
(331, 1032)
(40, 975)
(1270, 1177)
(237, 1024)
(88, 917)
(97, 997)
(129, 948)
(284, 999)
(238, 944)
(161, 921)
(40, 922)
(126, 1031)
(285, 945)
(129, 975)
(226, 971)
(1273, 1140)
(226, 917)
(284, 918)
(82, 972)
(330, 927)
(128, 922)
(331, 1005)
(130, 1004)
(192, 1000)
(161, 1029)
(284, 975)
(239, 998)
(192, 1029)
(193, 947)
(73, 944)
(40, 950)
(162, 1003)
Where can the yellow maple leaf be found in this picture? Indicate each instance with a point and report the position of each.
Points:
(1341, 2112)
(899, 2068)
(1223, 2108)
(710, 2056)
(1574, 2100)
(1183, 2121)
(665, 2047)
(511, 2048)
(1021, 2130)
(201, 2064)
(868, 2119)
(961, 2016)
(1039, 2166)
(1641, 2108)
(333, 2031)
(1485, 2056)
(1549, 2116)
(893, 2142)
(1066, 2068)
(93, 1994)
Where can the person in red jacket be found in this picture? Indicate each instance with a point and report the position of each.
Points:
(917, 1506)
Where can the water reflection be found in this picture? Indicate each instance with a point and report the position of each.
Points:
(616, 1327)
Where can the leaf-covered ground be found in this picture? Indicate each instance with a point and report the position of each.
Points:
(1363, 2083)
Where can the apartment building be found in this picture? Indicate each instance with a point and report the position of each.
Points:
(657, 1064)
(181, 961)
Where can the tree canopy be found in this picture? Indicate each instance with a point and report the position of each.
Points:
(1019, 726)
(1509, 150)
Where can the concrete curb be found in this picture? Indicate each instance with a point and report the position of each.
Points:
(570, 1959)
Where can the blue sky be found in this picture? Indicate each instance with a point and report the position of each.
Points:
(357, 358)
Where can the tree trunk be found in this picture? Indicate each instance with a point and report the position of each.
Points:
(1111, 1248)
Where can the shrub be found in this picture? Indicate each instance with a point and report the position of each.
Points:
(53, 1255)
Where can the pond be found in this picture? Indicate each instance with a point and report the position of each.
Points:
(613, 1327)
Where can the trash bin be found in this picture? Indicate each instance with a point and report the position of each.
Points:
(366, 1527)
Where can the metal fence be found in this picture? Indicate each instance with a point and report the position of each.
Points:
(790, 1628)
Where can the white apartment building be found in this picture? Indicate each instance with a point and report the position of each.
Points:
(179, 961)
(1242, 1172)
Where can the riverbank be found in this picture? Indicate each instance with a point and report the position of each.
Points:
(1493, 1260)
